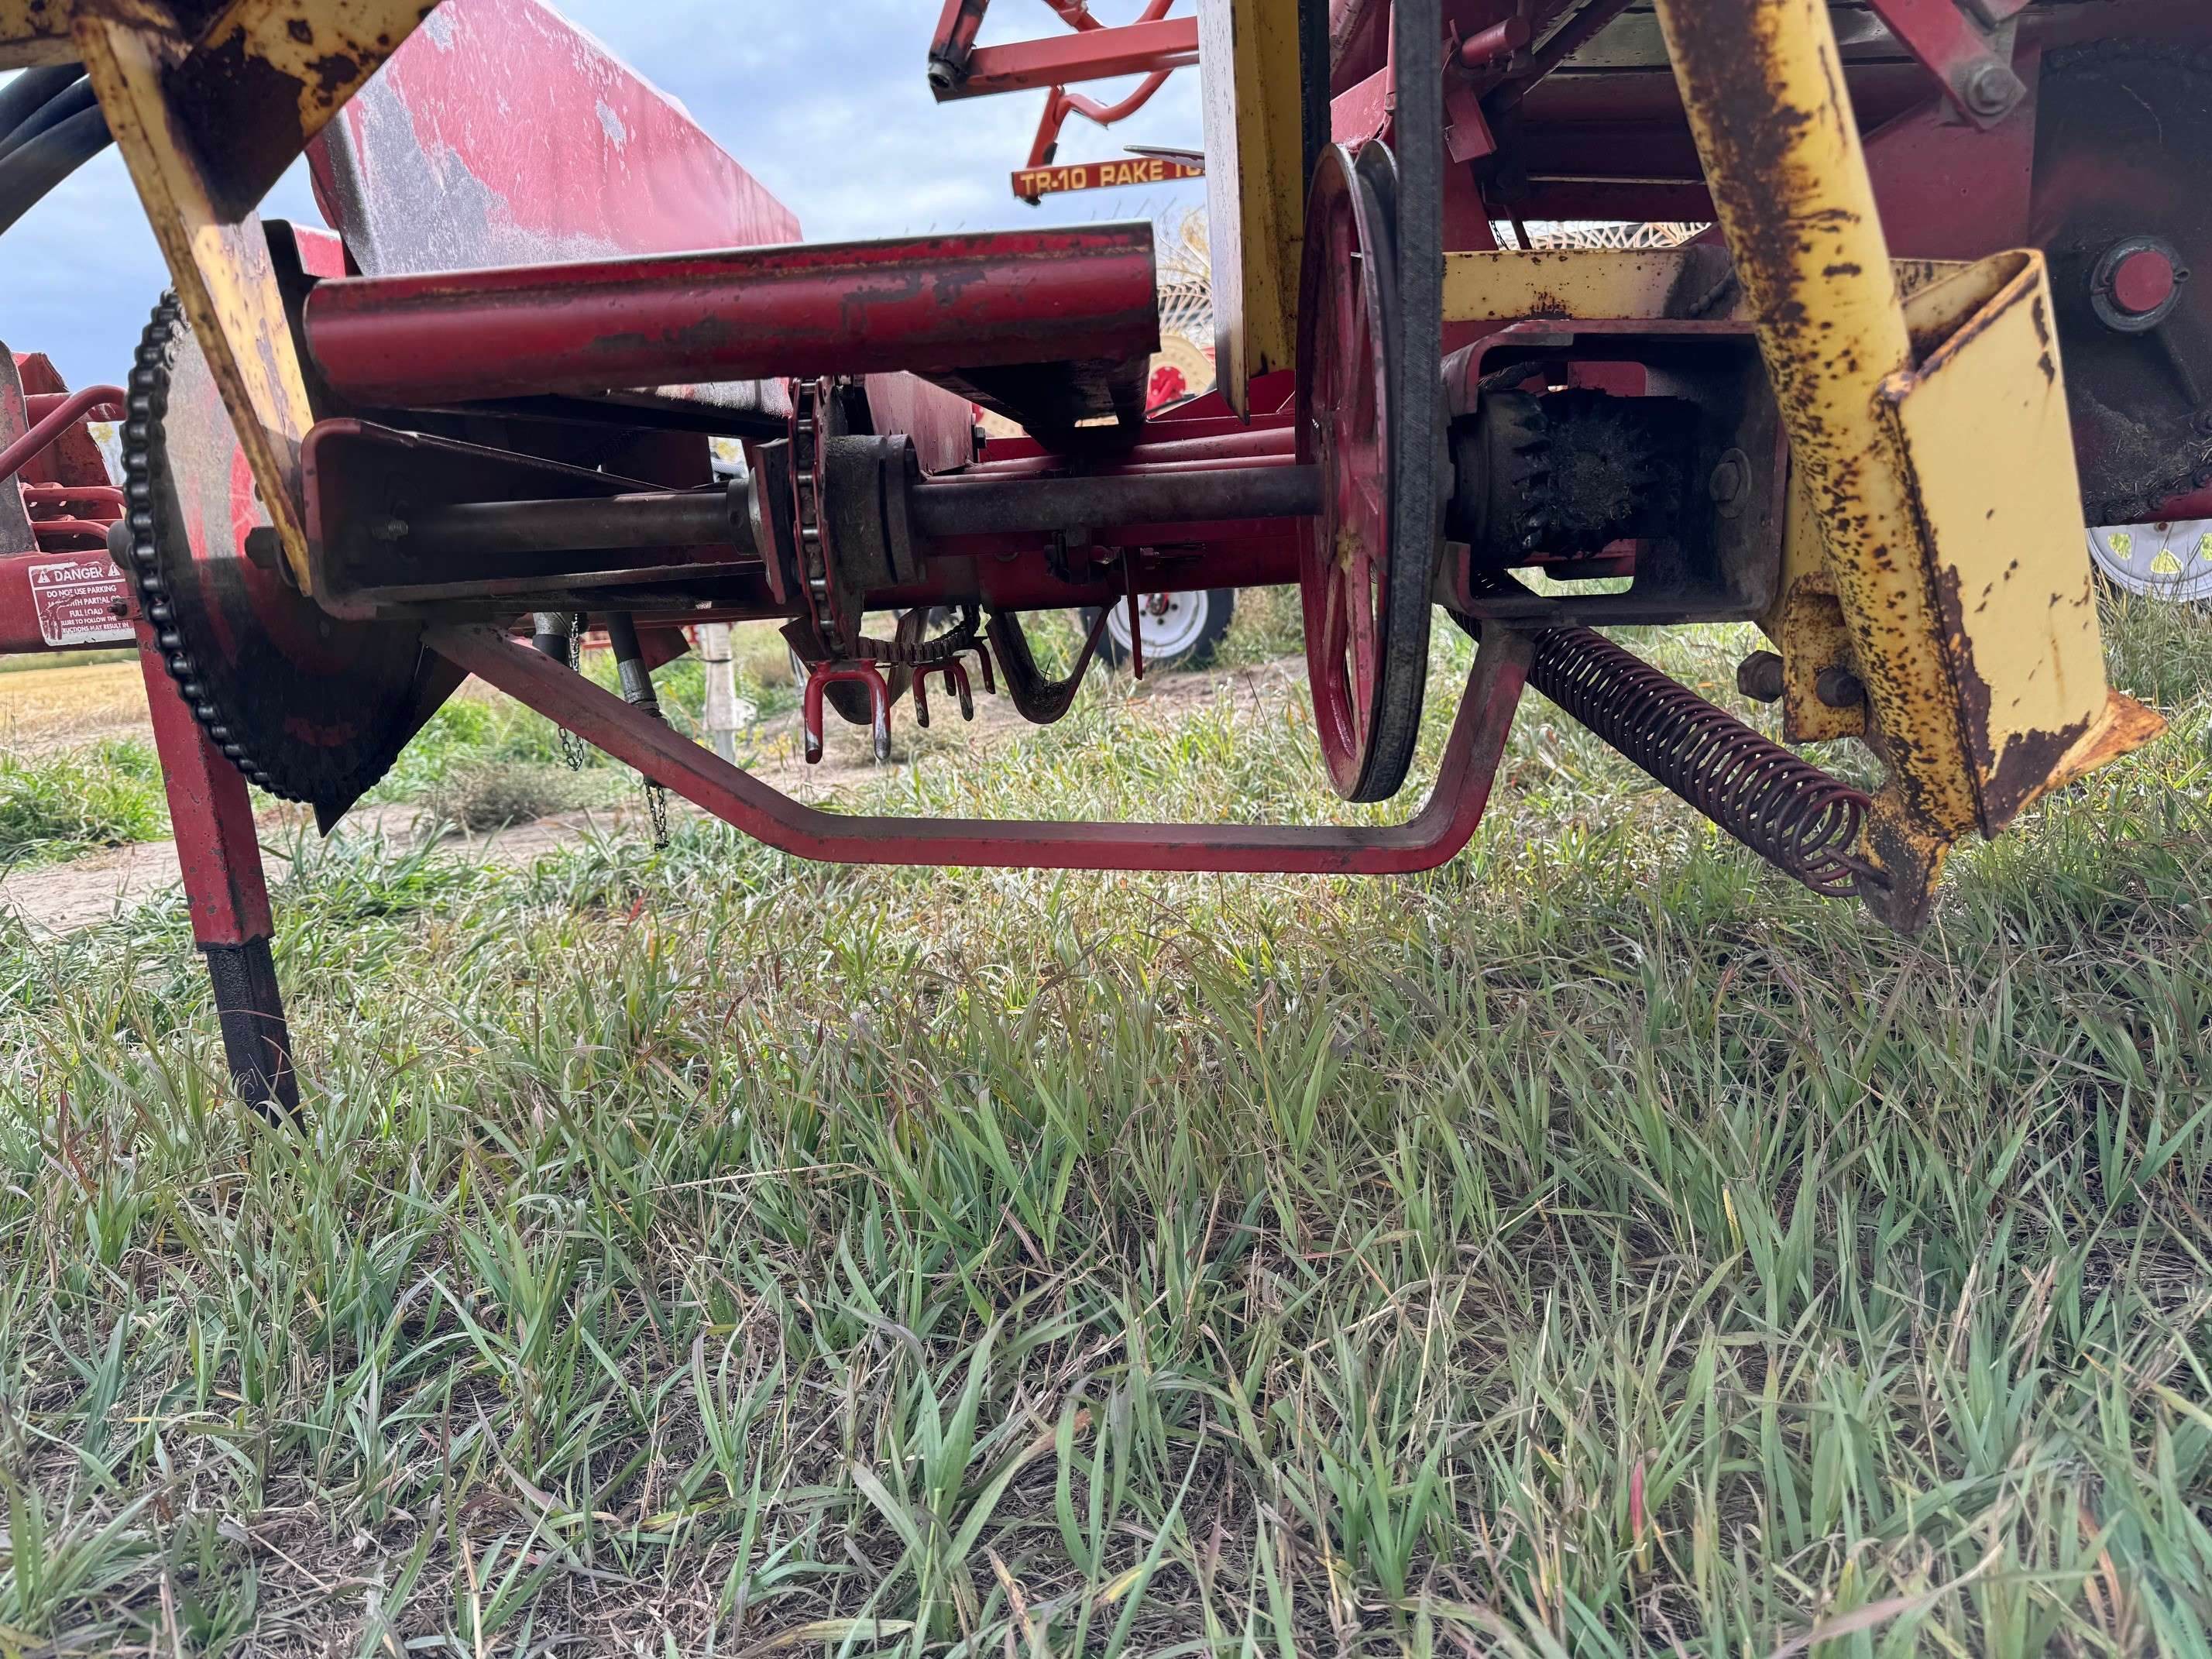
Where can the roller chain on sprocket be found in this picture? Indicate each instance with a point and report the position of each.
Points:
(308, 708)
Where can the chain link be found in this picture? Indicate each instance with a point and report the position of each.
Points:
(572, 746)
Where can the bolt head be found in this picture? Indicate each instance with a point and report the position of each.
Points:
(1991, 88)
(1839, 688)
(1759, 676)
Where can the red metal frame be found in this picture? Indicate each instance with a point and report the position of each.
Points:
(1155, 46)
(210, 811)
(1979, 81)
(1432, 836)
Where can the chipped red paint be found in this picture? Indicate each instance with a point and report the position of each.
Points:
(499, 134)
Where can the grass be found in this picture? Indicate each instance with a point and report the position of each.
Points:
(62, 805)
(1598, 1246)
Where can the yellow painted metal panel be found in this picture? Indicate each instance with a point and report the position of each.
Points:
(34, 32)
(222, 269)
(1983, 425)
(1587, 283)
(1762, 82)
(266, 75)
(1693, 282)
(1256, 184)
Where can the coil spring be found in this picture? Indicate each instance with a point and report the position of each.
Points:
(1789, 811)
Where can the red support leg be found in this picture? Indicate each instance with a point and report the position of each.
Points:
(220, 857)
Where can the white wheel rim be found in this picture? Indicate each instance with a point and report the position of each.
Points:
(2171, 560)
(1172, 625)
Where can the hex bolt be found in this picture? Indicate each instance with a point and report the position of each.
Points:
(1991, 88)
(1730, 483)
(1839, 688)
(1758, 677)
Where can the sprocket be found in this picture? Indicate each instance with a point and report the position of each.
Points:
(308, 707)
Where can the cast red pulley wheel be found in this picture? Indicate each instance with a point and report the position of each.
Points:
(1365, 563)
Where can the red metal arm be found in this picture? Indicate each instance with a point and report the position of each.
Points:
(1430, 837)
(1948, 45)
(57, 420)
(1166, 43)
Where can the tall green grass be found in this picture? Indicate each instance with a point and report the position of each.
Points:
(62, 805)
(1598, 1246)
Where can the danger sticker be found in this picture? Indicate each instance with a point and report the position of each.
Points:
(76, 601)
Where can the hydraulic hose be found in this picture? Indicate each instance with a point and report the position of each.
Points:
(22, 97)
(31, 170)
(73, 99)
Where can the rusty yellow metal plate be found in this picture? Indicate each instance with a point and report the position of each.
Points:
(1694, 280)
(1982, 420)
(1256, 184)
(33, 32)
(207, 120)
(220, 268)
(266, 75)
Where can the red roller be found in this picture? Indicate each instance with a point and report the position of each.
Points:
(924, 305)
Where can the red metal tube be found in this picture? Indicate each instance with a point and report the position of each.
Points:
(918, 304)
(50, 426)
(1442, 826)
(1166, 43)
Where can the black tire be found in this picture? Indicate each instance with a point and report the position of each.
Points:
(1190, 643)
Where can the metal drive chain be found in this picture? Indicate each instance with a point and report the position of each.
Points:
(807, 413)
(572, 746)
(149, 402)
(656, 806)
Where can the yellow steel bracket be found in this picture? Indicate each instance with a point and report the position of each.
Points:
(1931, 451)
(34, 32)
(1256, 184)
(208, 106)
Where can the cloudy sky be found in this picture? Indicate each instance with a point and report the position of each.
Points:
(823, 100)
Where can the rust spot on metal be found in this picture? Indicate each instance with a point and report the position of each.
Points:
(334, 74)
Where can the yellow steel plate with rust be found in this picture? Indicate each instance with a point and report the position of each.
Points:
(34, 32)
(221, 270)
(1990, 451)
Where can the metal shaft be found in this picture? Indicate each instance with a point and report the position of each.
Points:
(952, 506)
(602, 524)
(940, 508)
(924, 304)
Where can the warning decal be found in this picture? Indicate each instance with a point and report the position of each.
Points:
(76, 599)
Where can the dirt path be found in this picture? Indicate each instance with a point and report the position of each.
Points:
(62, 898)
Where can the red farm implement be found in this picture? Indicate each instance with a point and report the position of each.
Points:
(1945, 306)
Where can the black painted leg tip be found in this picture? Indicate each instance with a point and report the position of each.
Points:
(256, 1039)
